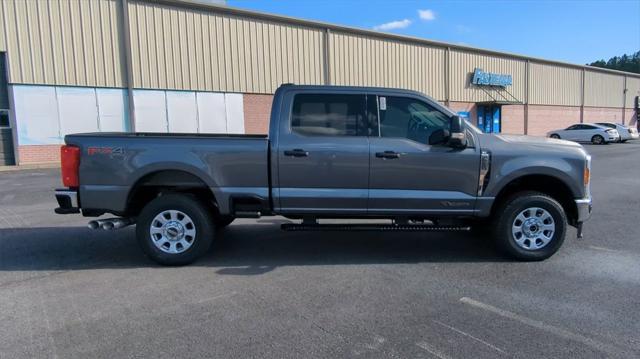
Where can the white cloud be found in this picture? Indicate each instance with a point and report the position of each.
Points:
(427, 15)
(398, 24)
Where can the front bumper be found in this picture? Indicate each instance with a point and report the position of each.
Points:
(584, 209)
(67, 201)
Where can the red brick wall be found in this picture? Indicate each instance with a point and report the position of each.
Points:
(630, 118)
(602, 114)
(38, 154)
(543, 119)
(513, 119)
(465, 106)
(257, 110)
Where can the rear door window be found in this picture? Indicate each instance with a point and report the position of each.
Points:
(329, 115)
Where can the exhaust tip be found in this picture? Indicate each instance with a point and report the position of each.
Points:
(107, 226)
(93, 225)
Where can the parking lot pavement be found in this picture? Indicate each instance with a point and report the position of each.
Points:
(67, 291)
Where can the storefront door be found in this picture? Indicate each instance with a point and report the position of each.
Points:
(489, 118)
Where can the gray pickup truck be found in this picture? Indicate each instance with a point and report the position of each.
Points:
(331, 152)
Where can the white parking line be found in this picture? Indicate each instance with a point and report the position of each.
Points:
(604, 249)
(602, 347)
(433, 351)
(471, 336)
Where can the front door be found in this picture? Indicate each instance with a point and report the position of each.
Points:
(323, 159)
(408, 175)
(489, 118)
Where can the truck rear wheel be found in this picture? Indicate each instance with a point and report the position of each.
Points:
(530, 226)
(175, 229)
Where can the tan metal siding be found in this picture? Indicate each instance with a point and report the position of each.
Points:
(633, 90)
(186, 49)
(3, 26)
(62, 42)
(463, 64)
(603, 90)
(367, 61)
(554, 85)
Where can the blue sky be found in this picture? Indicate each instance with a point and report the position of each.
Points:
(572, 31)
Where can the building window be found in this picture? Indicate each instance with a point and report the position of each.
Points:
(329, 115)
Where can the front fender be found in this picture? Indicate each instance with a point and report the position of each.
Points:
(560, 168)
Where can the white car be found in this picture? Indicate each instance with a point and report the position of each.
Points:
(626, 133)
(587, 132)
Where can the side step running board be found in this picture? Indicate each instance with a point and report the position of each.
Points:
(370, 227)
(247, 214)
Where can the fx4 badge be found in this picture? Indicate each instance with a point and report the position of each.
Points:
(104, 151)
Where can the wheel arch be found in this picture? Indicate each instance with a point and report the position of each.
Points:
(550, 185)
(155, 182)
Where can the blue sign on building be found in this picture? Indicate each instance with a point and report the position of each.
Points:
(464, 114)
(482, 78)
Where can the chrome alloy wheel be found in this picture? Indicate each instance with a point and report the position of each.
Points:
(172, 231)
(533, 228)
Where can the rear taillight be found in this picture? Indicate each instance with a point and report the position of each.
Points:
(70, 162)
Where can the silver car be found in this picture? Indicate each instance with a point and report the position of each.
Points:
(626, 133)
(587, 132)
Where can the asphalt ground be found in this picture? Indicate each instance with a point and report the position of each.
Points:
(68, 291)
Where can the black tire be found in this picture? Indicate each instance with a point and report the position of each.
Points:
(555, 135)
(201, 220)
(505, 219)
(223, 221)
(597, 140)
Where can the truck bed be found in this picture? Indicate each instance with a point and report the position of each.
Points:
(112, 164)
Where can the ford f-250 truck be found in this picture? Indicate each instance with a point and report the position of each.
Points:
(331, 152)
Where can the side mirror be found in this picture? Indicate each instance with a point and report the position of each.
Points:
(458, 136)
(439, 137)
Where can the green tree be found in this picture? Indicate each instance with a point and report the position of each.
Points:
(628, 63)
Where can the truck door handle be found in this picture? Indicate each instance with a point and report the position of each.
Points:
(296, 153)
(388, 154)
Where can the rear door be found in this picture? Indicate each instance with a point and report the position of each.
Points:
(323, 154)
(586, 132)
(409, 176)
(571, 133)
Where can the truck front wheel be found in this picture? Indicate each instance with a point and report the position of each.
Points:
(530, 226)
(175, 229)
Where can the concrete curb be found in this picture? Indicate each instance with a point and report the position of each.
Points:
(33, 166)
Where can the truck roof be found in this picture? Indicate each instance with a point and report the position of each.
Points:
(351, 88)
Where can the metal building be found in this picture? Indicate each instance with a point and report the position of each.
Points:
(186, 66)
